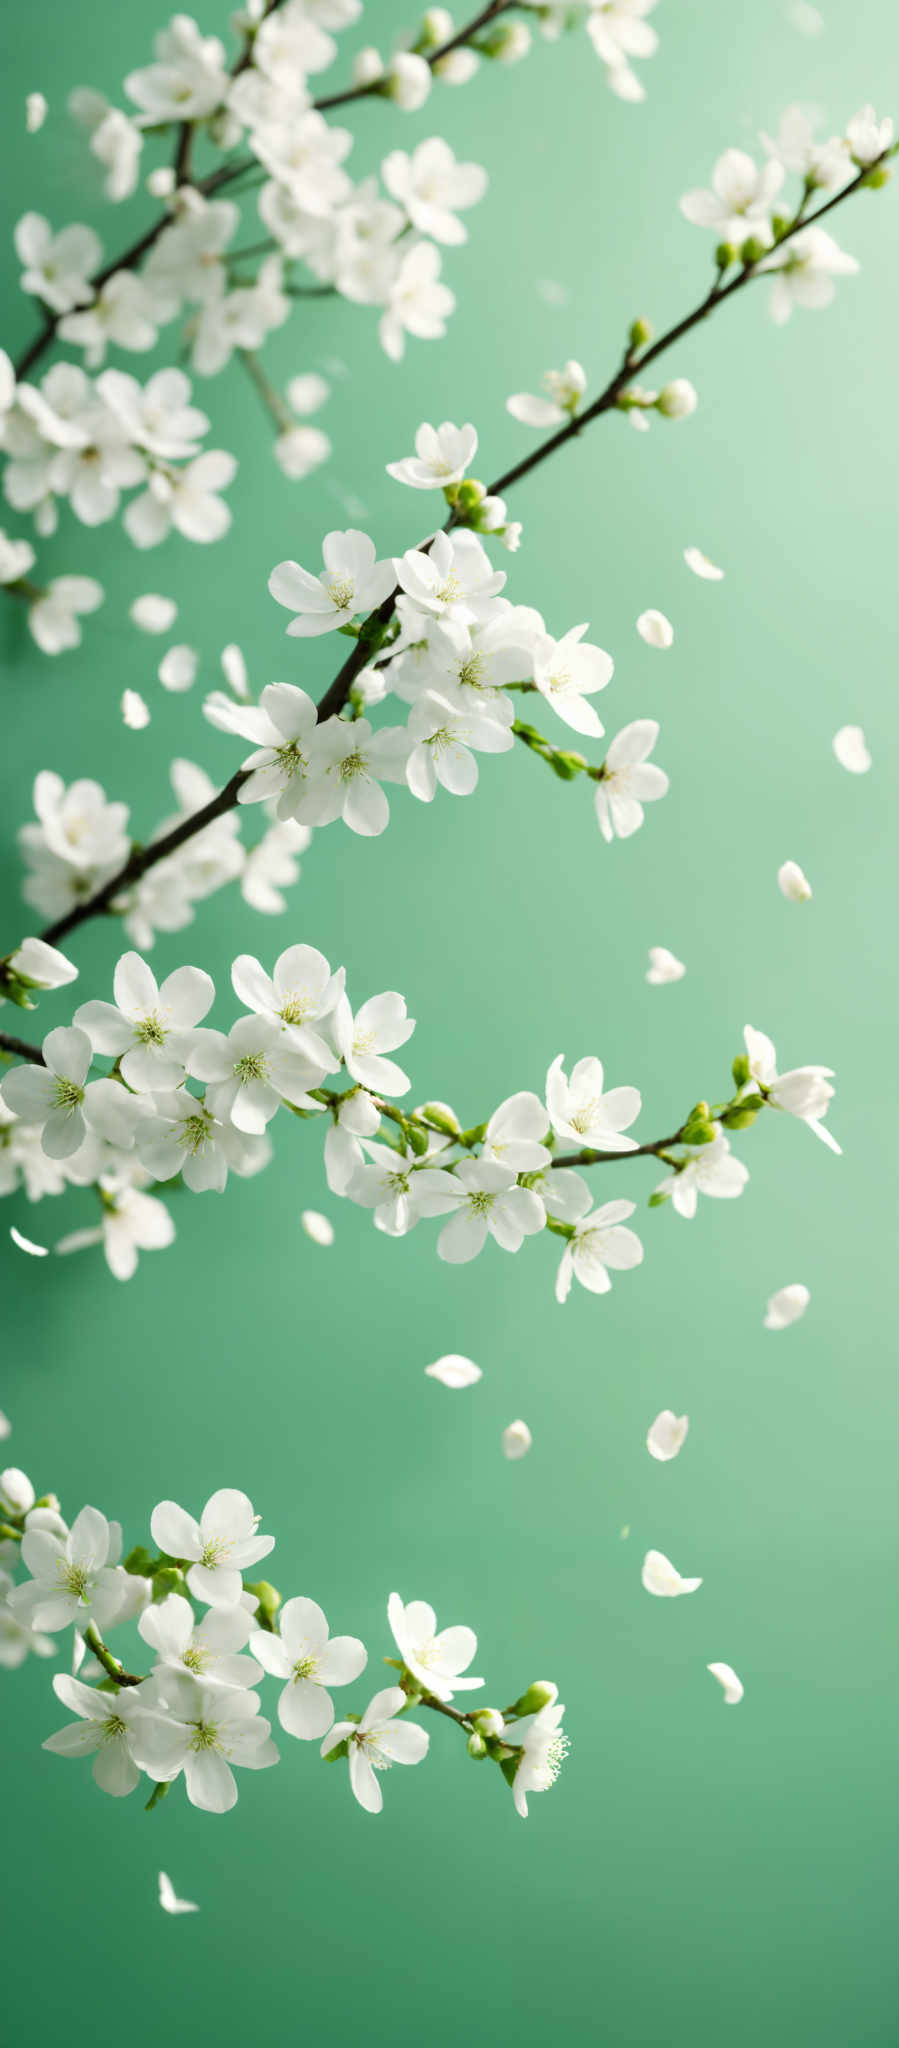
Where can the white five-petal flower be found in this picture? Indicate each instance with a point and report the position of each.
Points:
(303, 1654)
(436, 1658)
(218, 1547)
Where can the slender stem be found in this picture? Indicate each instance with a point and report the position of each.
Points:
(456, 41)
(274, 404)
(20, 1048)
(110, 1664)
(146, 857)
(436, 1706)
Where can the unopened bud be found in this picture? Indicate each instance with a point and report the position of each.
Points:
(269, 1601)
(508, 42)
(16, 1492)
(469, 493)
(879, 176)
(441, 1116)
(477, 1747)
(640, 334)
(541, 1693)
(725, 255)
(739, 1119)
(168, 1580)
(751, 251)
(740, 1069)
(677, 400)
(489, 1721)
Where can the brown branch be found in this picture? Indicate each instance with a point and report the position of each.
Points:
(20, 1048)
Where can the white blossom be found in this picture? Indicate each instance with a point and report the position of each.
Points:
(16, 558)
(379, 1027)
(58, 267)
(347, 764)
(565, 389)
(53, 617)
(132, 1222)
(629, 780)
(805, 267)
(282, 727)
(566, 672)
(114, 1724)
(310, 1661)
(115, 141)
(786, 1306)
(418, 303)
(408, 80)
(579, 1109)
(709, 1170)
(433, 187)
(251, 1071)
(376, 1742)
(188, 79)
(184, 1137)
(399, 1189)
(488, 1201)
(210, 1649)
(741, 199)
(352, 581)
(18, 1639)
(300, 992)
(34, 964)
(218, 1548)
(72, 1579)
(666, 1435)
(151, 1031)
(119, 314)
(868, 138)
(515, 1133)
(803, 1091)
(435, 1659)
(822, 164)
(57, 1096)
(544, 1749)
(186, 499)
(443, 742)
(659, 1577)
(452, 579)
(203, 1730)
(599, 1241)
(442, 456)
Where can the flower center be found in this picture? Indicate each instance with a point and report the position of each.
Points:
(206, 1736)
(290, 761)
(305, 1667)
(295, 1008)
(213, 1552)
(351, 766)
(584, 1118)
(113, 1727)
(194, 1657)
(481, 1203)
(471, 672)
(149, 1030)
(252, 1067)
(340, 591)
(74, 1579)
(68, 1096)
(449, 590)
(196, 1131)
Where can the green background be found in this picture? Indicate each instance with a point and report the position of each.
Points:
(696, 1871)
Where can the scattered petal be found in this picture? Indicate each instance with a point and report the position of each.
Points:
(851, 749)
(316, 1226)
(655, 629)
(178, 668)
(134, 711)
(153, 614)
(701, 566)
(25, 1244)
(517, 1440)
(786, 1306)
(455, 1371)
(663, 966)
(35, 112)
(5, 1425)
(666, 1435)
(792, 883)
(727, 1678)
(659, 1577)
(169, 1899)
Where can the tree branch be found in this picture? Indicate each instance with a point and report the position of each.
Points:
(20, 1048)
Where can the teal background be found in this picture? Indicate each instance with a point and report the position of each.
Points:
(696, 1872)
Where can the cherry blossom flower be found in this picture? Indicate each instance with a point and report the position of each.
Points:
(709, 1170)
(731, 1685)
(132, 1222)
(58, 1097)
(418, 304)
(408, 80)
(567, 672)
(347, 763)
(376, 1742)
(455, 1371)
(598, 1241)
(659, 1577)
(823, 164)
(219, 1547)
(666, 1435)
(851, 749)
(433, 187)
(398, 1189)
(57, 267)
(740, 201)
(310, 1661)
(792, 883)
(517, 1441)
(202, 1730)
(655, 629)
(184, 1137)
(515, 1132)
(629, 780)
(565, 389)
(34, 964)
(114, 1724)
(16, 558)
(355, 1117)
(300, 991)
(157, 416)
(210, 1649)
(379, 1027)
(53, 617)
(578, 1109)
(453, 579)
(803, 1091)
(544, 1749)
(442, 456)
(444, 741)
(867, 136)
(151, 1030)
(786, 1306)
(72, 1579)
(252, 1070)
(352, 581)
(119, 314)
(489, 1201)
(805, 268)
(436, 1660)
(115, 141)
(186, 499)
(188, 79)
(282, 727)
(18, 1639)
(701, 566)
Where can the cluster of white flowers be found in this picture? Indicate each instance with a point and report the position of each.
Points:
(745, 207)
(197, 1713)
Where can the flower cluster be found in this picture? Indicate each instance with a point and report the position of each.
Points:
(214, 1638)
(142, 1122)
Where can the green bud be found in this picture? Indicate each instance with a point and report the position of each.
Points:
(139, 1560)
(475, 1136)
(418, 1139)
(740, 1069)
(725, 255)
(878, 176)
(48, 1500)
(566, 765)
(752, 251)
(655, 1201)
(168, 1580)
(469, 494)
(699, 1132)
(739, 1119)
(542, 1693)
(441, 1117)
(640, 334)
(488, 1721)
(269, 1602)
(780, 223)
(477, 1747)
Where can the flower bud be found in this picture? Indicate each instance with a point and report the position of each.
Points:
(879, 176)
(542, 1693)
(739, 1119)
(168, 1580)
(725, 255)
(269, 1602)
(367, 67)
(477, 1747)
(489, 1721)
(640, 333)
(16, 1491)
(408, 81)
(779, 224)
(508, 42)
(436, 28)
(677, 400)
(418, 1139)
(441, 1116)
(740, 1069)
(469, 494)
(656, 1200)
(752, 251)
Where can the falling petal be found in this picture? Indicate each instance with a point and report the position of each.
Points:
(169, 1899)
(316, 1226)
(517, 1440)
(666, 1435)
(851, 749)
(701, 566)
(25, 1244)
(153, 614)
(786, 1306)
(655, 629)
(454, 1370)
(135, 712)
(727, 1678)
